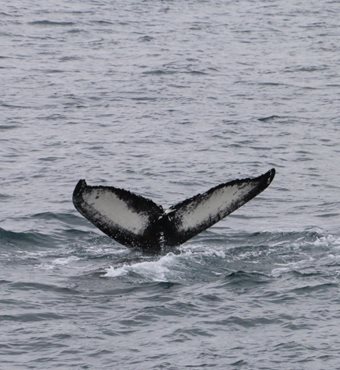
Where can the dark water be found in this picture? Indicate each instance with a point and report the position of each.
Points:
(168, 98)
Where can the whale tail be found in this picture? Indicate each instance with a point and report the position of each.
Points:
(138, 222)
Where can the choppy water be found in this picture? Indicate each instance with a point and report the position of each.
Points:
(169, 98)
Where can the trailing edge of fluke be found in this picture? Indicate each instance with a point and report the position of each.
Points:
(138, 222)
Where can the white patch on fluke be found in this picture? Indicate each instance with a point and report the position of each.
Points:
(116, 210)
(218, 203)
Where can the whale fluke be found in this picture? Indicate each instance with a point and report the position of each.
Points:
(138, 222)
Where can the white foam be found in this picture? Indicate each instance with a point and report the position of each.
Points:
(277, 272)
(65, 260)
(159, 270)
(325, 241)
(62, 261)
(210, 252)
(116, 271)
(329, 243)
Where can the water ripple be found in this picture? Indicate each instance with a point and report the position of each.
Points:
(168, 100)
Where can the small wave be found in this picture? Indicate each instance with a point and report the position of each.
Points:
(146, 38)
(42, 287)
(245, 322)
(53, 216)
(144, 98)
(7, 127)
(102, 22)
(52, 71)
(268, 118)
(7, 105)
(279, 271)
(31, 317)
(173, 71)
(24, 239)
(196, 72)
(160, 72)
(66, 59)
(77, 30)
(307, 68)
(243, 278)
(314, 288)
(50, 159)
(51, 23)
(2, 281)
(4, 14)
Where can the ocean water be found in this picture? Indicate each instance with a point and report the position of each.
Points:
(167, 99)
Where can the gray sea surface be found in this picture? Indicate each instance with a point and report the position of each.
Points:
(167, 99)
